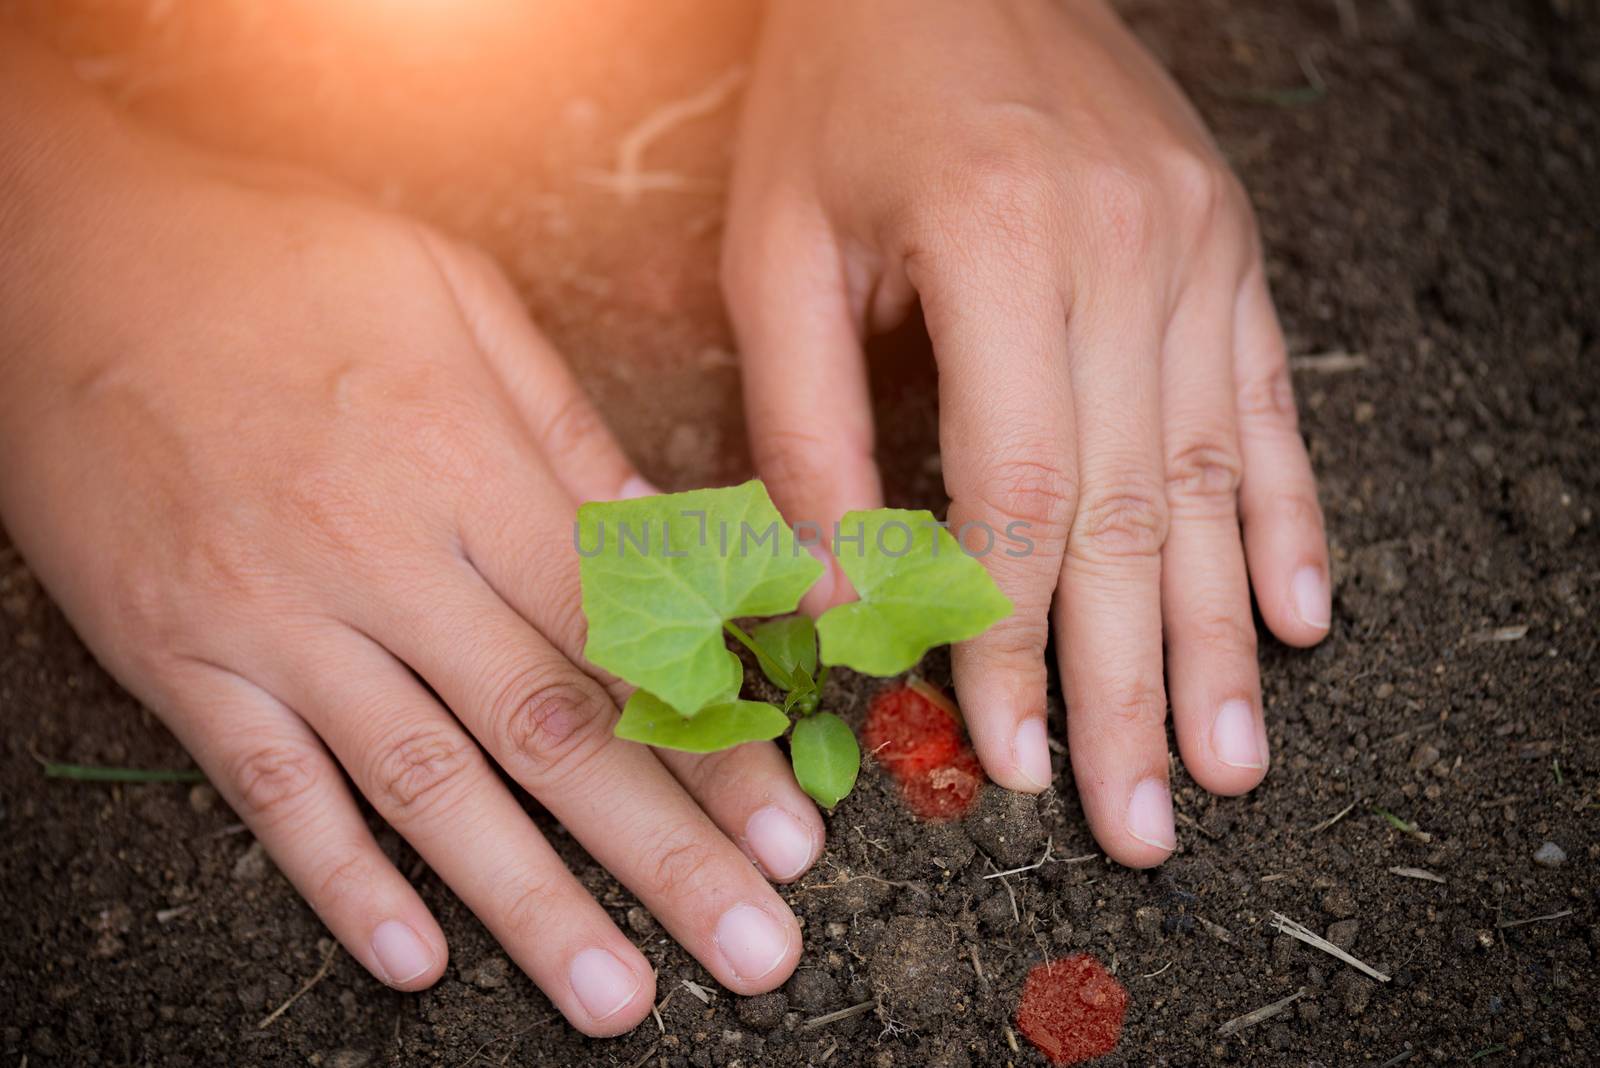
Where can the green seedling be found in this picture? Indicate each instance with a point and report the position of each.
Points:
(667, 578)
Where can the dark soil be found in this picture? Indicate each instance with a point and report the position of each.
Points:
(1430, 203)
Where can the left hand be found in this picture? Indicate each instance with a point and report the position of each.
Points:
(1111, 368)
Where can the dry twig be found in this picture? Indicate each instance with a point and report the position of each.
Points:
(843, 1014)
(1311, 938)
(1335, 818)
(1265, 1012)
(1503, 924)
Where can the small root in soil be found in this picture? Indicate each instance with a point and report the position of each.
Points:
(321, 974)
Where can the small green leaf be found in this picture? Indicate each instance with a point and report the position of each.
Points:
(918, 589)
(826, 758)
(792, 643)
(648, 719)
(661, 575)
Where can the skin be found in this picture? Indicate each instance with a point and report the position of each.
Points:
(1111, 369)
(303, 475)
(219, 385)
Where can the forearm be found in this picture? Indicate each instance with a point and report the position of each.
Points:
(68, 166)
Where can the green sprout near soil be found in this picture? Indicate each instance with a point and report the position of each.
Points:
(667, 578)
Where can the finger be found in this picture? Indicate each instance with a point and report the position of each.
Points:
(1212, 675)
(807, 403)
(551, 727)
(1006, 435)
(566, 427)
(276, 775)
(1283, 532)
(750, 792)
(431, 782)
(1108, 611)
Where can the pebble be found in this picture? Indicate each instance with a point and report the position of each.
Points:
(202, 797)
(1147, 922)
(491, 974)
(641, 923)
(1355, 992)
(813, 990)
(995, 913)
(1423, 756)
(1343, 933)
(1005, 825)
(1550, 855)
(348, 1058)
(1339, 903)
(763, 1013)
(251, 867)
(1544, 504)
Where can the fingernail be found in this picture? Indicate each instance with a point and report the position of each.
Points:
(1031, 751)
(1234, 738)
(752, 942)
(780, 842)
(1310, 591)
(1150, 815)
(603, 983)
(636, 487)
(401, 953)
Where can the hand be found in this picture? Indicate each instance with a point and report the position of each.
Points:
(304, 478)
(1111, 370)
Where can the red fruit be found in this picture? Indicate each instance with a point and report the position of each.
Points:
(922, 747)
(1072, 1009)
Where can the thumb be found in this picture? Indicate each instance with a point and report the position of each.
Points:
(806, 397)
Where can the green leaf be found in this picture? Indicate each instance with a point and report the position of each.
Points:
(648, 719)
(662, 574)
(918, 589)
(792, 643)
(826, 758)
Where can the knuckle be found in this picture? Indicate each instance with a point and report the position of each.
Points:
(442, 437)
(1268, 399)
(722, 771)
(1124, 203)
(1011, 186)
(795, 456)
(349, 878)
(1205, 470)
(573, 424)
(1226, 633)
(419, 769)
(528, 900)
(1017, 642)
(1040, 493)
(551, 724)
(270, 779)
(681, 865)
(1202, 186)
(1129, 523)
(1295, 508)
(1136, 706)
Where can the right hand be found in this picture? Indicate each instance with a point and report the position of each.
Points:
(303, 476)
